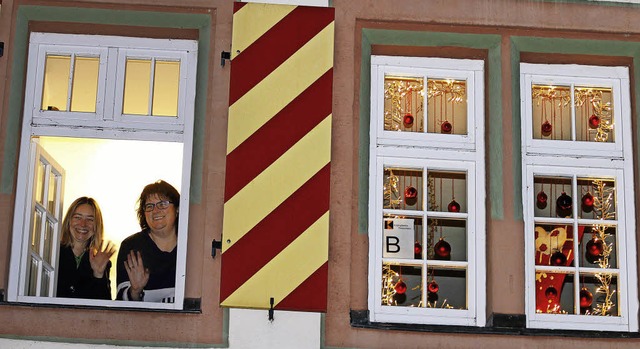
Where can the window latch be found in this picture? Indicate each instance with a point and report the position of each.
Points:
(224, 55)
(215, 245)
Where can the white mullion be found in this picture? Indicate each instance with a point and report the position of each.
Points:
(72, 66)
(151, 81)
(573, 112)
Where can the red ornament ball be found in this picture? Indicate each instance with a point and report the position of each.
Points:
(558, 259)
(541, 200)
(546, 129)
(594, 121)
(453, 206)
(586, 298)
(410, 192)
(407, 120)
(417, 250)
(446, 127)
(551, 292)
(442, 249)
(587, 202)
(595, 247)
(564, 203)
(433, 287)
(400, 287)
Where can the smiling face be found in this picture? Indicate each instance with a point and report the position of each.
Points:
(160, 220)
(83, 224)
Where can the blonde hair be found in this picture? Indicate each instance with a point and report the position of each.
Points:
(96, 239)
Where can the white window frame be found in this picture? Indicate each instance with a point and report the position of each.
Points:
(434, 152)
(106, 123)
(572, 159)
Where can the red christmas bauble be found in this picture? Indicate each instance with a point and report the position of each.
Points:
(546, 128)
(400, 287)
(587, 202)
(586, 298)
(442, 249)
(541, 200)
(558, 259)
(407, 120)
(410, 192)
(446, 127)
(417, 250)
(594, 121)
(564, 203)
(594, 249)
(433, 287)
(453, 206)
(551, 292)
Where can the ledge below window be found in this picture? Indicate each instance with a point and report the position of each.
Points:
(505, 324)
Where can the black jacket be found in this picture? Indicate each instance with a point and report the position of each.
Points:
(79, 282)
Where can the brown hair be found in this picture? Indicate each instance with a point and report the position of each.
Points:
(96, 239)
(163, 190)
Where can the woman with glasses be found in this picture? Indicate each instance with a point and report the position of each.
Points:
(83, 264)
(147, 260)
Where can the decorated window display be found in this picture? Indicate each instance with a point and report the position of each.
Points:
(426, 192)
(580, 254)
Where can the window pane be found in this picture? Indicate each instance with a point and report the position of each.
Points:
(36, 232)
(52, 197)
(447, 191)
(446, 288)
(599, 294)
(594, 114)
(553, 196)
(555, 293)
(39, 185)
(48, 242)
(598, 248)
(449, 237)
(402, 188)
(597, 198)
(44, 283)
(32, 276)
(403, 104)
(447, 106)
(165, 88)
(554, 245)
(55, 90)
(85, 84)
(136, 86)
(551, 112)
(401, 285)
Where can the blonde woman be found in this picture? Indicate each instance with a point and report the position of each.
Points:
(83, 268)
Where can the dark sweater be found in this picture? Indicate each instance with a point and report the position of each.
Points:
(79, 282)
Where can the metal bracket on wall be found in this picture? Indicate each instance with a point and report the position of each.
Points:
(224, 55)
(271, 301)
(1, 49)
(215, 245)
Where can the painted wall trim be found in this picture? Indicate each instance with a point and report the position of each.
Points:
(202, 22)
(488, 42)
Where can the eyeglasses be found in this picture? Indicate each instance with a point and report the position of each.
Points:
(161, 205)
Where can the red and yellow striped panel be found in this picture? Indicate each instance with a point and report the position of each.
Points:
(276, 212)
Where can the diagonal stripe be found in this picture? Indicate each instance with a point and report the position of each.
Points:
(237, 6)
(287, 270)
(278, 135)
(311, 295)
(274, 47)
(277, 90)
(275, 232)
(252, 21)
(262, 195)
